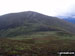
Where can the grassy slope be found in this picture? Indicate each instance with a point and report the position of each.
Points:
(45, 45)
(42, 34)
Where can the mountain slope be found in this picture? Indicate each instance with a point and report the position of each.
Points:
(24, 23)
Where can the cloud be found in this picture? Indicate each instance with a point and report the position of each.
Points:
(70, 10)
(49, 7)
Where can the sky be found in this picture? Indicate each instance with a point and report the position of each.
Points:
(48, 7)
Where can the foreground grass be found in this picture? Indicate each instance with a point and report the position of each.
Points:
(48, 46)
(37, 44)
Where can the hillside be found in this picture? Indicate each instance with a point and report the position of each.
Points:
(25, 23)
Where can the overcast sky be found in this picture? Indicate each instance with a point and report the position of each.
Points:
(48, 7)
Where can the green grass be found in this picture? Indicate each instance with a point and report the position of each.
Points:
(46, 46)
(44, 34)
(37, 44)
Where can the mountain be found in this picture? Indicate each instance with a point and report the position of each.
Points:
(25, 23)
(70, 19)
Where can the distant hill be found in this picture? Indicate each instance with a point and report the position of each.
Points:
(23, 23)
(71, 20)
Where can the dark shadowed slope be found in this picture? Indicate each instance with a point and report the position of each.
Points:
(26, 22)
